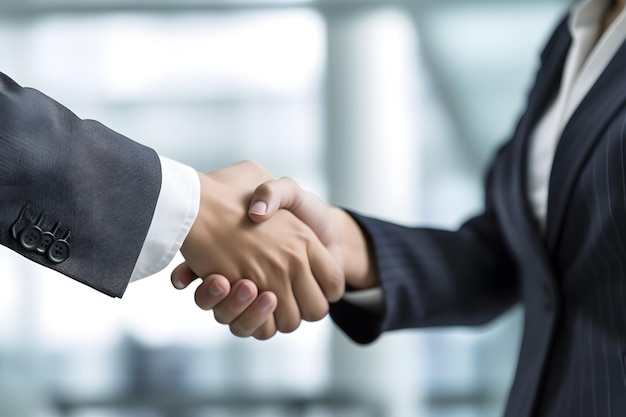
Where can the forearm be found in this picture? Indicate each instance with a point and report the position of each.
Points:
(433, 278)
(356, 253)
(92, 186)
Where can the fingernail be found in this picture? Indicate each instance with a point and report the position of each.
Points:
(260, 207)
(243, 294)
(215, 290)
(266, 303)
(177, 284)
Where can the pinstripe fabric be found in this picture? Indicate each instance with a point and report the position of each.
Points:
(585, 376)
(572, 359)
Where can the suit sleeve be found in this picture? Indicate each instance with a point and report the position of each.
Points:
(75, 196)
(433, 277)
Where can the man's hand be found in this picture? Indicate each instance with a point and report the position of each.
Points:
(334, 227)
(282, 256)
(241, 307)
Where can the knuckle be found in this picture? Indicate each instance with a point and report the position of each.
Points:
(248, 163)
(265, 334)
(201, 301)
(289, 325)
(289, 181)
(264, 190)
(220, 318)
(334, 283)
(255, 167)
(239, 331)
(317, 313)
(266, 330)
(336, 287)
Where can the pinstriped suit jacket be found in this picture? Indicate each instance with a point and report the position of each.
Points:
(78, 180)
(571, 282)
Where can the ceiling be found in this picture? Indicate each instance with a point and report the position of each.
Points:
(29, 8)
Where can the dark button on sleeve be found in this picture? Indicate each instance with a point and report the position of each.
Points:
(46, 240)
(30, 238)
(59, 251)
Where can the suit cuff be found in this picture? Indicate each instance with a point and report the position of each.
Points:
(371, 299)
(176, 210)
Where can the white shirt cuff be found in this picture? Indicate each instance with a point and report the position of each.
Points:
(371, 299)
(176, 210)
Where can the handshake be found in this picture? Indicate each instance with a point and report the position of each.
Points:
(270, 254)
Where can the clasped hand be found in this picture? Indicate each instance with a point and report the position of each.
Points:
(279, 266)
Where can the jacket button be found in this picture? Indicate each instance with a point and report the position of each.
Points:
(46, 240)
(30, 238)
(59, 251)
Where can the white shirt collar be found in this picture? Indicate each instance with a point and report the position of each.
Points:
(587, 58)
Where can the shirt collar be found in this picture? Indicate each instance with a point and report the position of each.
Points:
(587, 14)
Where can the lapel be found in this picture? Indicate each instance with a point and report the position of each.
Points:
(547, 82)
(581, 133)
(515, 199)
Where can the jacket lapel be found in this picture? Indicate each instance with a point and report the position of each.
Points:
(548, 79)
(545, 88)
(582, 132)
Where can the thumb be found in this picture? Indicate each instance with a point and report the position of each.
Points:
(182, 276)
(285, 193)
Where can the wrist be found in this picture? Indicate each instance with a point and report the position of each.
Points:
(198, 239)
(356, 252)
(175, 212)
(222, 219)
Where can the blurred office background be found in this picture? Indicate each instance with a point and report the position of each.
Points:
(392, 108)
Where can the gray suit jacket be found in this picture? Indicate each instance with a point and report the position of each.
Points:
(571, 282)
(74, 195)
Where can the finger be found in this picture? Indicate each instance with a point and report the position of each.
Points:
(267, 330)
(287, 314)
(258, 319)
(285, 193)
(329, 275)
(309, 296)
(213, 290)
(241, 296)
(182, 276)
(273, 195)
